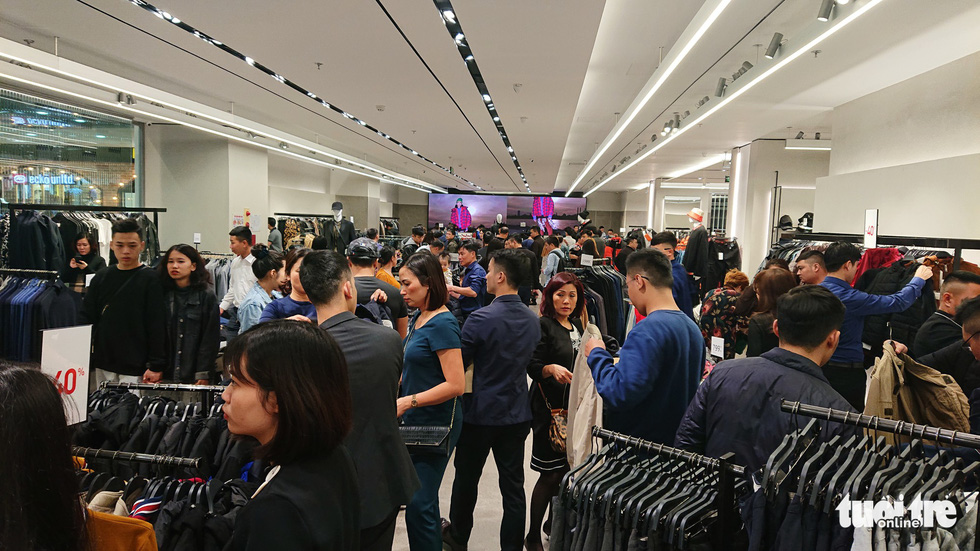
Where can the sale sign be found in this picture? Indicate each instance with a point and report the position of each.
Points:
(65, 357)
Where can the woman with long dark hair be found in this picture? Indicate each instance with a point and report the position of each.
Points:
(296, 305)
(39, 505)
(551, 372)
(85, 261)
(193, 326)
(290, 391)
(432, 379)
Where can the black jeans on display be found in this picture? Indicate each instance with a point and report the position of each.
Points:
(475, 444)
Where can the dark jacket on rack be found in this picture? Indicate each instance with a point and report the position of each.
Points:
(696, 256)
(737, 407)
(126, 310)
(35, 243)
(901, 325)
(193, 334)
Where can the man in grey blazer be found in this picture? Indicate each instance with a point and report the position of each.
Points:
(385, 474)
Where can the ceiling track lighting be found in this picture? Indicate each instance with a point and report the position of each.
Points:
(826, 8)
(677, 122)
(799, 136)
(816, 136)
(282, 80)
(455, 29)
(774, 44)
(720, 88)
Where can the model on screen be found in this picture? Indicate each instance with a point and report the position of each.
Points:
(542, 209)
(460, 215)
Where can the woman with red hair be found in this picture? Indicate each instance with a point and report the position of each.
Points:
(551, 367)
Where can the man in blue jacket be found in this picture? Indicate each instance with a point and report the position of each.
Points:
(737, 407)
(845, 370)
(683, 288)
(660, 364)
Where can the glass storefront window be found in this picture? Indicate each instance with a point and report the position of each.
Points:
(54, 153)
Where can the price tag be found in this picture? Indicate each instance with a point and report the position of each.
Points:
(65, 357)
(721, 256)
(718, 347)
(870, 228)
(88, 279)
(587, 259)
(197, 239)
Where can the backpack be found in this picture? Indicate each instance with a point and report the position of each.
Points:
(561, 260)
(375, 312)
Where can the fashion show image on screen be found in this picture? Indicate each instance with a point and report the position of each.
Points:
(465, 211)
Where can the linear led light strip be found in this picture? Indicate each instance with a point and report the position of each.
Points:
(282, 80)
(748, 86)
(448, 14)
(209, 131)
(221, 120)
(649, 95)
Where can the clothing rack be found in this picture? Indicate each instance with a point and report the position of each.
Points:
(87, 208)
(39, 274)
(956, 244)
(208, 390)
(293, 215)
(165, 460)
(874, 423)
(726, 501)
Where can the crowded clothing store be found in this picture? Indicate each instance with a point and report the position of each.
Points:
(608, 275)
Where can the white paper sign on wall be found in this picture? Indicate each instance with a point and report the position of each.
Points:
(197, 239)
(718, 347)
(870, 228)
(65, 357)
(587, 259)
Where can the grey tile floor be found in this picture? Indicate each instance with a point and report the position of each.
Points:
(486, 517)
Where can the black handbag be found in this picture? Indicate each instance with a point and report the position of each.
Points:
(430, 440)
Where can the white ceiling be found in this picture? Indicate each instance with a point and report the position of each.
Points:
(578, 63)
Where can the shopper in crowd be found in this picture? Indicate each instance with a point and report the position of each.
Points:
(736, 408)
(629, 247)
(495, 244)
(550, 369)
(503, 232)
(320, 243)
(499, 341)
(193, 327)
(39, 505)
(372, 234)
(289, 390)
(718, 317)
(646, 393)
(437, 247)
(275, 236)
(452, 243)
(528, 281)
(444, 263)
(473, 283)
(553, 260)
(845, 370)
(241, 279)
(684, 290)
(769, 285)
(941, 329)
(432, 381)
(810, 267)
(296, 305)
(777, 263)
(270, 276)
(386, 266)
(385, 474)
(961, 359)
(124, 304)
(411, 244)
(84, 263)
(363, 257)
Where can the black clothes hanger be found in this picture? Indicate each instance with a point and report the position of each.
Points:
(826, 468)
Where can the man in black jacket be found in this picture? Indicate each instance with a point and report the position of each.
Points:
(385, 473)
(124, 304)
(737, 408)
(961, 359)
(941, 329)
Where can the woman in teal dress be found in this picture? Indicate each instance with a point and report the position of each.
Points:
(432, 380)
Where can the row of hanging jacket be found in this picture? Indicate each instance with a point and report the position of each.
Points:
(809, 485)
(119, 420)
(300, 231)
(633, 495)
(219, 267)
(606, 299)
(29, 306)
(34, 240)
(186, 511)
(724, 254)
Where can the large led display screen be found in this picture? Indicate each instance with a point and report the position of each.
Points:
(469, 211)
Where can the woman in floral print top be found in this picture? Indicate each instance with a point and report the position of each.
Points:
(718, 317)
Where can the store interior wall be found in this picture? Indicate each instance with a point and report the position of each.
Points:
(606, 209)
(412, 209)
(912, 151)
(248, 187)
